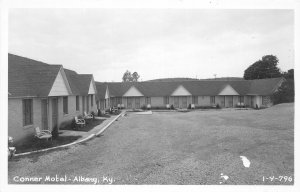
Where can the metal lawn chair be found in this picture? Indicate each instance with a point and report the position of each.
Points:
(43, 134)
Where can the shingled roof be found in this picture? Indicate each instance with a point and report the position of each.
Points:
(101, 89)
(198, 87)
(79, 83)
(30, 78)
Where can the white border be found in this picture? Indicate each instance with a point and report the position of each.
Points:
(175, 4)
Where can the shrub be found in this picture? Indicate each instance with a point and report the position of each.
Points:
(218, 106)
(144, 107)
(285, 93)
(189, 106)
(172, 107)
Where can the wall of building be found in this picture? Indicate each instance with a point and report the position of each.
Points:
(157, 101)
(203, 101)
(15, 120)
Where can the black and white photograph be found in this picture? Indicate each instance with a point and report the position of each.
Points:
(151, 96)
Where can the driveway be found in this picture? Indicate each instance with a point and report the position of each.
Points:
(199, 147)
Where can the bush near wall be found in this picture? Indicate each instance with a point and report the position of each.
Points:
(285, 93)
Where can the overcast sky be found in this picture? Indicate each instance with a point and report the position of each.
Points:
(157, 43)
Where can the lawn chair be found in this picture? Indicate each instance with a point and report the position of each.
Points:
(79, 122)
(88, 116)
(43, 134)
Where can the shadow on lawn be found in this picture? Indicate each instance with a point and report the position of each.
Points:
(36, 144)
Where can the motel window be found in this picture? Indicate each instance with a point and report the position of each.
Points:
(166, 100)
(241, 99)
(65, 105)
(27, 112)
(195, 100)
(92, 100)
(212, 100)
(148, 100)
(77, 103)
(119, 100)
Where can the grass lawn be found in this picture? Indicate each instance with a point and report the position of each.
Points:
(197, 147)
(37, 144)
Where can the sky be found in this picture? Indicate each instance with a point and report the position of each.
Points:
(156, 43)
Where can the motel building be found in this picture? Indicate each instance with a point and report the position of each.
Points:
(45, 96)
(182, 94)
(50, 96)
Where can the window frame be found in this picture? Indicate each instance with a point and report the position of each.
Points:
(77, 103)
(92, 100)
(241, 99)
(25, 110)
(148, 100)
(195, 100)
(213, 100)
(166, 100)
(65, 105)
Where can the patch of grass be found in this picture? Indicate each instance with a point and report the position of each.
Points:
(90, 124)
(34, 144)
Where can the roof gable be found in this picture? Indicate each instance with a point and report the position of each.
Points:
(106, 93)
(92, 89)
(181, 91)
(60, 86)
(133, 92)
(228, 90)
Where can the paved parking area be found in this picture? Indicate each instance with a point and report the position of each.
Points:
(199, 147)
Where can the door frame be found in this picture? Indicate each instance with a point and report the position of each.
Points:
(44, 114)
(54, 124)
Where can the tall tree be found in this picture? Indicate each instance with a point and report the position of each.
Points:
(127, 76)
(264, 68)
(289, 74)
(285, 93)
(135, 76)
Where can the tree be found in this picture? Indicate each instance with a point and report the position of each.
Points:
(285, 93)
(264, 68)
(289, 74)
(128, 77)
(135, 76)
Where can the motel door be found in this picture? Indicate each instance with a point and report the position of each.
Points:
(176, 102)
(129, 102)
(137, 102)
(223, 101)
(230, 101)
(184, 102)
(54, 113)
(252, 101)
(44, 114)
(87, 104)
(83, 105)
